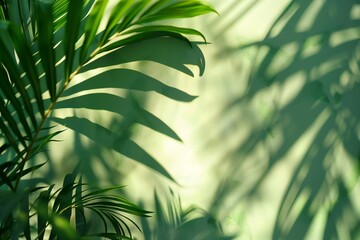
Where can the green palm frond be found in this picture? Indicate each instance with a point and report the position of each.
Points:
(75, 199)
(44, 45)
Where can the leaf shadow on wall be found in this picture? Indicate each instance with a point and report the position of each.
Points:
(126, 111)
(320, 114)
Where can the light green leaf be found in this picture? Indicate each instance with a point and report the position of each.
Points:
(164, 28)
(59, 9)
(154, 7)
(131, 14)
(91, 27)
(117, 13)
(181, 9)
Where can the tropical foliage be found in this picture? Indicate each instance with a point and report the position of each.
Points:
(44, 46)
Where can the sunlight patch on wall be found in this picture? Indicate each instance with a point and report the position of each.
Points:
(291, 88)
(308, 19)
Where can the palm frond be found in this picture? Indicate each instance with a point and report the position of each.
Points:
(38, 46)
(46, 44)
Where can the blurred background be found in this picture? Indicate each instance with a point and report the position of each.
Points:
(268, 117)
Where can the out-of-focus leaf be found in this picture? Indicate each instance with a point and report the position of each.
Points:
(73, 19)
(180, 9)
(42, 209)
(4, 169)
(59, 10)
(4, 147)
(45, 42)
(4, 11)
(11, 121)
(64, 198)
(14, 75)
(9, 136)
(91, 27)
(25, 217)
(26, 59)
(80, 220)
(63, 202)
(11, 96)
(63, 229)
(112, 236)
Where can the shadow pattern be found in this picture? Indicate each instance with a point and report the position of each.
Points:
(303, 90)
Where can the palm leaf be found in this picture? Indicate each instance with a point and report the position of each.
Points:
(142, 37)
(132, 14)
(71, 34)
(117, 13)
(28, 54)
(9, 63)
(45, 43)
(27, 61)
(180, 9)
(91, 27)
(9, 93)
(164, 28)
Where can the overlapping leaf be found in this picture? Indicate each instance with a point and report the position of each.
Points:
(32, 82)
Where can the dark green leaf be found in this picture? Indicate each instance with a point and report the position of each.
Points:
(74, 14)
(25, 219)
(26, 60)
(11, 121)
(11, 96)
(142, 37)
(42, 209)
(4, 169)
(80, 219)
(4, 147)
(46, 48)
(28, 170)
(64, 198)
(12, 68)
(9, 136)
(163, 28)
(62, 203)
(59, 9)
